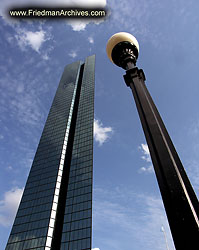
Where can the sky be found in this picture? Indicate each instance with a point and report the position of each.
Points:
(127, 207)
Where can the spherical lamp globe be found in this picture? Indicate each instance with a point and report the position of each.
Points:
(122, 47)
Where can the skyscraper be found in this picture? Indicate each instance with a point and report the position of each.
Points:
(56, 207)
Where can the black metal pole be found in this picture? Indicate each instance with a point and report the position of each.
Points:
(180, 201)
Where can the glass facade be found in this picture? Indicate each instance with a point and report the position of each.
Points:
(56, 207)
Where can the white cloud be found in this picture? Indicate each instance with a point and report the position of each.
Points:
(35, 40)
(78, 25)
(73, 54)
(145, 151)
(148, 169)
(101, 134)
(9, 205)
(95, 248)
(32, 39)
(90, 39)
(9, 168)
(147, 158)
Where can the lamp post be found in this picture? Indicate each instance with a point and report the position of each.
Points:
(180, 201)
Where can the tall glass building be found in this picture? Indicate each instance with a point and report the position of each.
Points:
(56, 207)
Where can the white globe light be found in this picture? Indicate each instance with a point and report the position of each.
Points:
(118, 38)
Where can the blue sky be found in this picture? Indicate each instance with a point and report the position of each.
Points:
(128, 211)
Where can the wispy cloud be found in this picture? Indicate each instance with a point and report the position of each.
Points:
(22, 102)
(101, 133)
(9, 168)
(136, 218)
(191, 160)
(193, 172)
(143, 20)
(73, 53)
(9, 205)
(148, 169)
(89, 3)
(39, 40)
(145, 150)
(81, 24)
(78, 25)
(33, 39)
(147, 158)
(90, 39)
(22, 115)
(194, 128)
